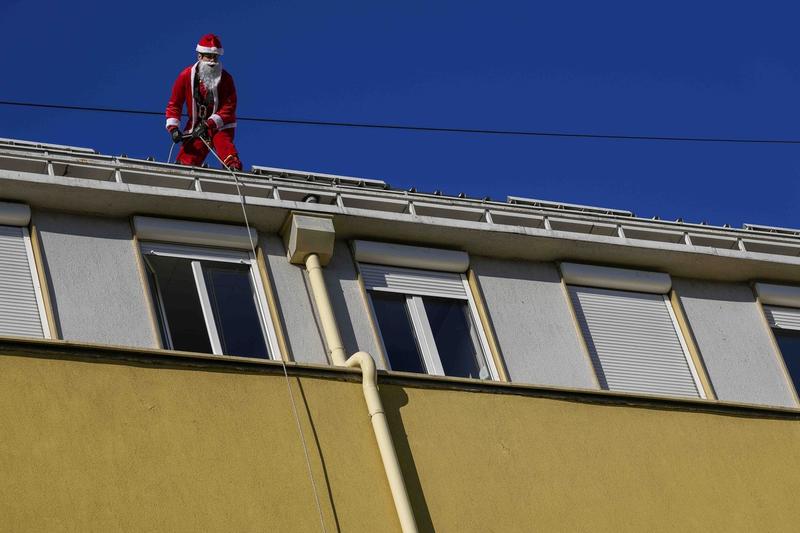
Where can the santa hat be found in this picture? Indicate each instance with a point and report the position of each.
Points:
(210, 44)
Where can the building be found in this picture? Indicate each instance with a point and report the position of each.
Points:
(553, 366)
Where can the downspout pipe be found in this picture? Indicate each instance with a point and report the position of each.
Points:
(369, 373)
(329, 327)
(380, 426)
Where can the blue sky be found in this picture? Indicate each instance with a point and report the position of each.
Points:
(637, 68)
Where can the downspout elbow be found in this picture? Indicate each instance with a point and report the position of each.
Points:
(369, 380)
(364, 361)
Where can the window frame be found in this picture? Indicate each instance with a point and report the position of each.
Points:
(37, 287)
(772, 326)
(422, 329)
(773, 330)
(698, 383)
(197, 254)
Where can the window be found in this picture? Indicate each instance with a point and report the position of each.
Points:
(785, 324)
(209, 300)
(789, 343)
(781, 304)
(427, 322)
(632, 336)
(21, 305)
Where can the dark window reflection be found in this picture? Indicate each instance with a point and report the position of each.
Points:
(397, 332)
(454, 337)
(181, 304)
(235, 314)
(233, 306)
(789, 343)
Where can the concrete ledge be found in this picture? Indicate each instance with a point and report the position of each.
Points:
(48, 349)
(501, 241)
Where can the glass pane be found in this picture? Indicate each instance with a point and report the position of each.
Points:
(398, 335)
(789, 343)
(234, 306)
(181, 305)
(456, 338)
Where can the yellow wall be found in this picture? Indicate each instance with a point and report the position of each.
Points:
(514, 463)
(105, 447)
(91, 446)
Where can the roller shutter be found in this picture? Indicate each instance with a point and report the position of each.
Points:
(782, 317)
(633, 342)
(413, 281)
(20, 310)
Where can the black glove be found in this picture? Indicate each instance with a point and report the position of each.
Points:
(176, 135)
(200, 130)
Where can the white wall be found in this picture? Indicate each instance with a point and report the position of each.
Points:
(97, 292)
(535, 329)
(734, 342)
(294, 302)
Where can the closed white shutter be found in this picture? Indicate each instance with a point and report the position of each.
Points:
(782, 317)
(413, 281)
(633, 342)
(20, 312)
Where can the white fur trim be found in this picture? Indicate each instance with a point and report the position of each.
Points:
(228, 126)
(217, 120)
(210, 50)
(194, 104)
(173, 122)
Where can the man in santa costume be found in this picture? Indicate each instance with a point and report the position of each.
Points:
(210, 98)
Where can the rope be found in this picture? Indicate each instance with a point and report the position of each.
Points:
(283, 363)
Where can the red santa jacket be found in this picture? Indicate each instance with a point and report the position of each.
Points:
(223, 112)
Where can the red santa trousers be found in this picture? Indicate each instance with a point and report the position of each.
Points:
(194, 151)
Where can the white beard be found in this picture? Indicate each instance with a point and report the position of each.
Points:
(209, 74)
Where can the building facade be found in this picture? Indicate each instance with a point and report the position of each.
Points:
(171, 357)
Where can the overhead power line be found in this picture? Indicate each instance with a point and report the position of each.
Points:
(519, 133)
